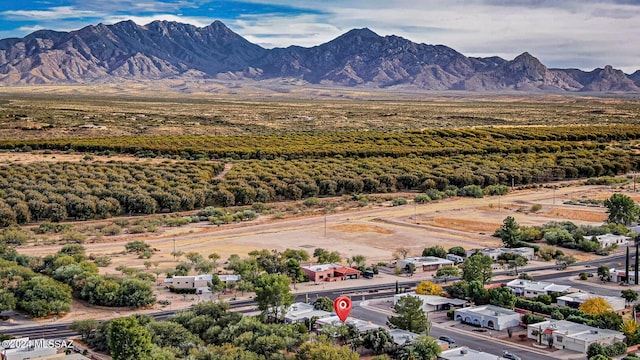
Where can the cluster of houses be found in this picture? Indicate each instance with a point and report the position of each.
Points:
(558, 333)
(301, 312)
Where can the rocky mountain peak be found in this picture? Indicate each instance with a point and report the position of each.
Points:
(359, 57)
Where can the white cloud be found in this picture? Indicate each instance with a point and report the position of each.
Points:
(585, 34)
(59, 12)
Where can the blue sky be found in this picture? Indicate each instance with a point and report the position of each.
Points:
(584, 34)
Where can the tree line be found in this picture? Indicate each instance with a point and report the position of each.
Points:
(291, 145)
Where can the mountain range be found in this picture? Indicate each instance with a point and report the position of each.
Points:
(360, 57)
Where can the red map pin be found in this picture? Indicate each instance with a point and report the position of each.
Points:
(342, 306)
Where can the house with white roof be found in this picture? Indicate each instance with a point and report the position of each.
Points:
(611, 239)
(574, 300)
(361, 325)
(432, 302)
(619, 275)
(568, 335)
(494, 253)
(465, 353)
(299, 312)
(424, 263)
(488, 316)
(190, 281)
(531, 289)
(402, 337)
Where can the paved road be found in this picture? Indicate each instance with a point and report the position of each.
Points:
(477, 342)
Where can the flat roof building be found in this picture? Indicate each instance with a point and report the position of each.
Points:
(432, 302)
(530, 289)
(563, 334)
(574, 300)
(330, 272)
(464, 353)
(488, 316)
(424, 263)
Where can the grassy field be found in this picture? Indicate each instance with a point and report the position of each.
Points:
(51, 112)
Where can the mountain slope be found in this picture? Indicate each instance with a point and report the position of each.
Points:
(360, 57)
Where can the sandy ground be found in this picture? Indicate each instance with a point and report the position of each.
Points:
(375, 232)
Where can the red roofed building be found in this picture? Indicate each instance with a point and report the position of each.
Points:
(330, 272)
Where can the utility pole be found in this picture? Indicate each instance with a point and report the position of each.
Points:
(636, 268)
(174, 248)
(325, 225)
(626, 267)
(513, 182)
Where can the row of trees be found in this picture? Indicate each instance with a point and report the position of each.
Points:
(431, 142)
(58, 191)
(81, 191)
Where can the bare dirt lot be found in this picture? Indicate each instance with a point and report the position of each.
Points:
(375, 231)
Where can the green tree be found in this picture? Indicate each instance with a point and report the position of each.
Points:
(476, 293)
(7, 215)
(410, 269)
(595, 349)
(629, 295)
(168, 333)
(437, 251)
(323, 349)
(447, 272)
(378, 340)
(137, 246)
(518, 261)
(621, 209)
(410, 315)
(299, 255)
(510, 232)
(422, 348)
(84, 327)
(42, 296)
(603, 273)
(477, 267)
(7, 300)
(135, 293)
(273, 295)
(458, 250)
(359, 260)
(323, 303)
(128, 340)
(502, 297)
(216, 284)
(325, 257)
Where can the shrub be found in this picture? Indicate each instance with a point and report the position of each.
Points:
(532, 319)
(102, 261)
(422, 198)
(536, 207)
(471, 191)
(584, 276)
(111, 230)
(399, 201)
(138, 229)
(312, 201)
(13, 237)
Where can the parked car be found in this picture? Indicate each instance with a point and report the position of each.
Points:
(508, 355)
(452, 343)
